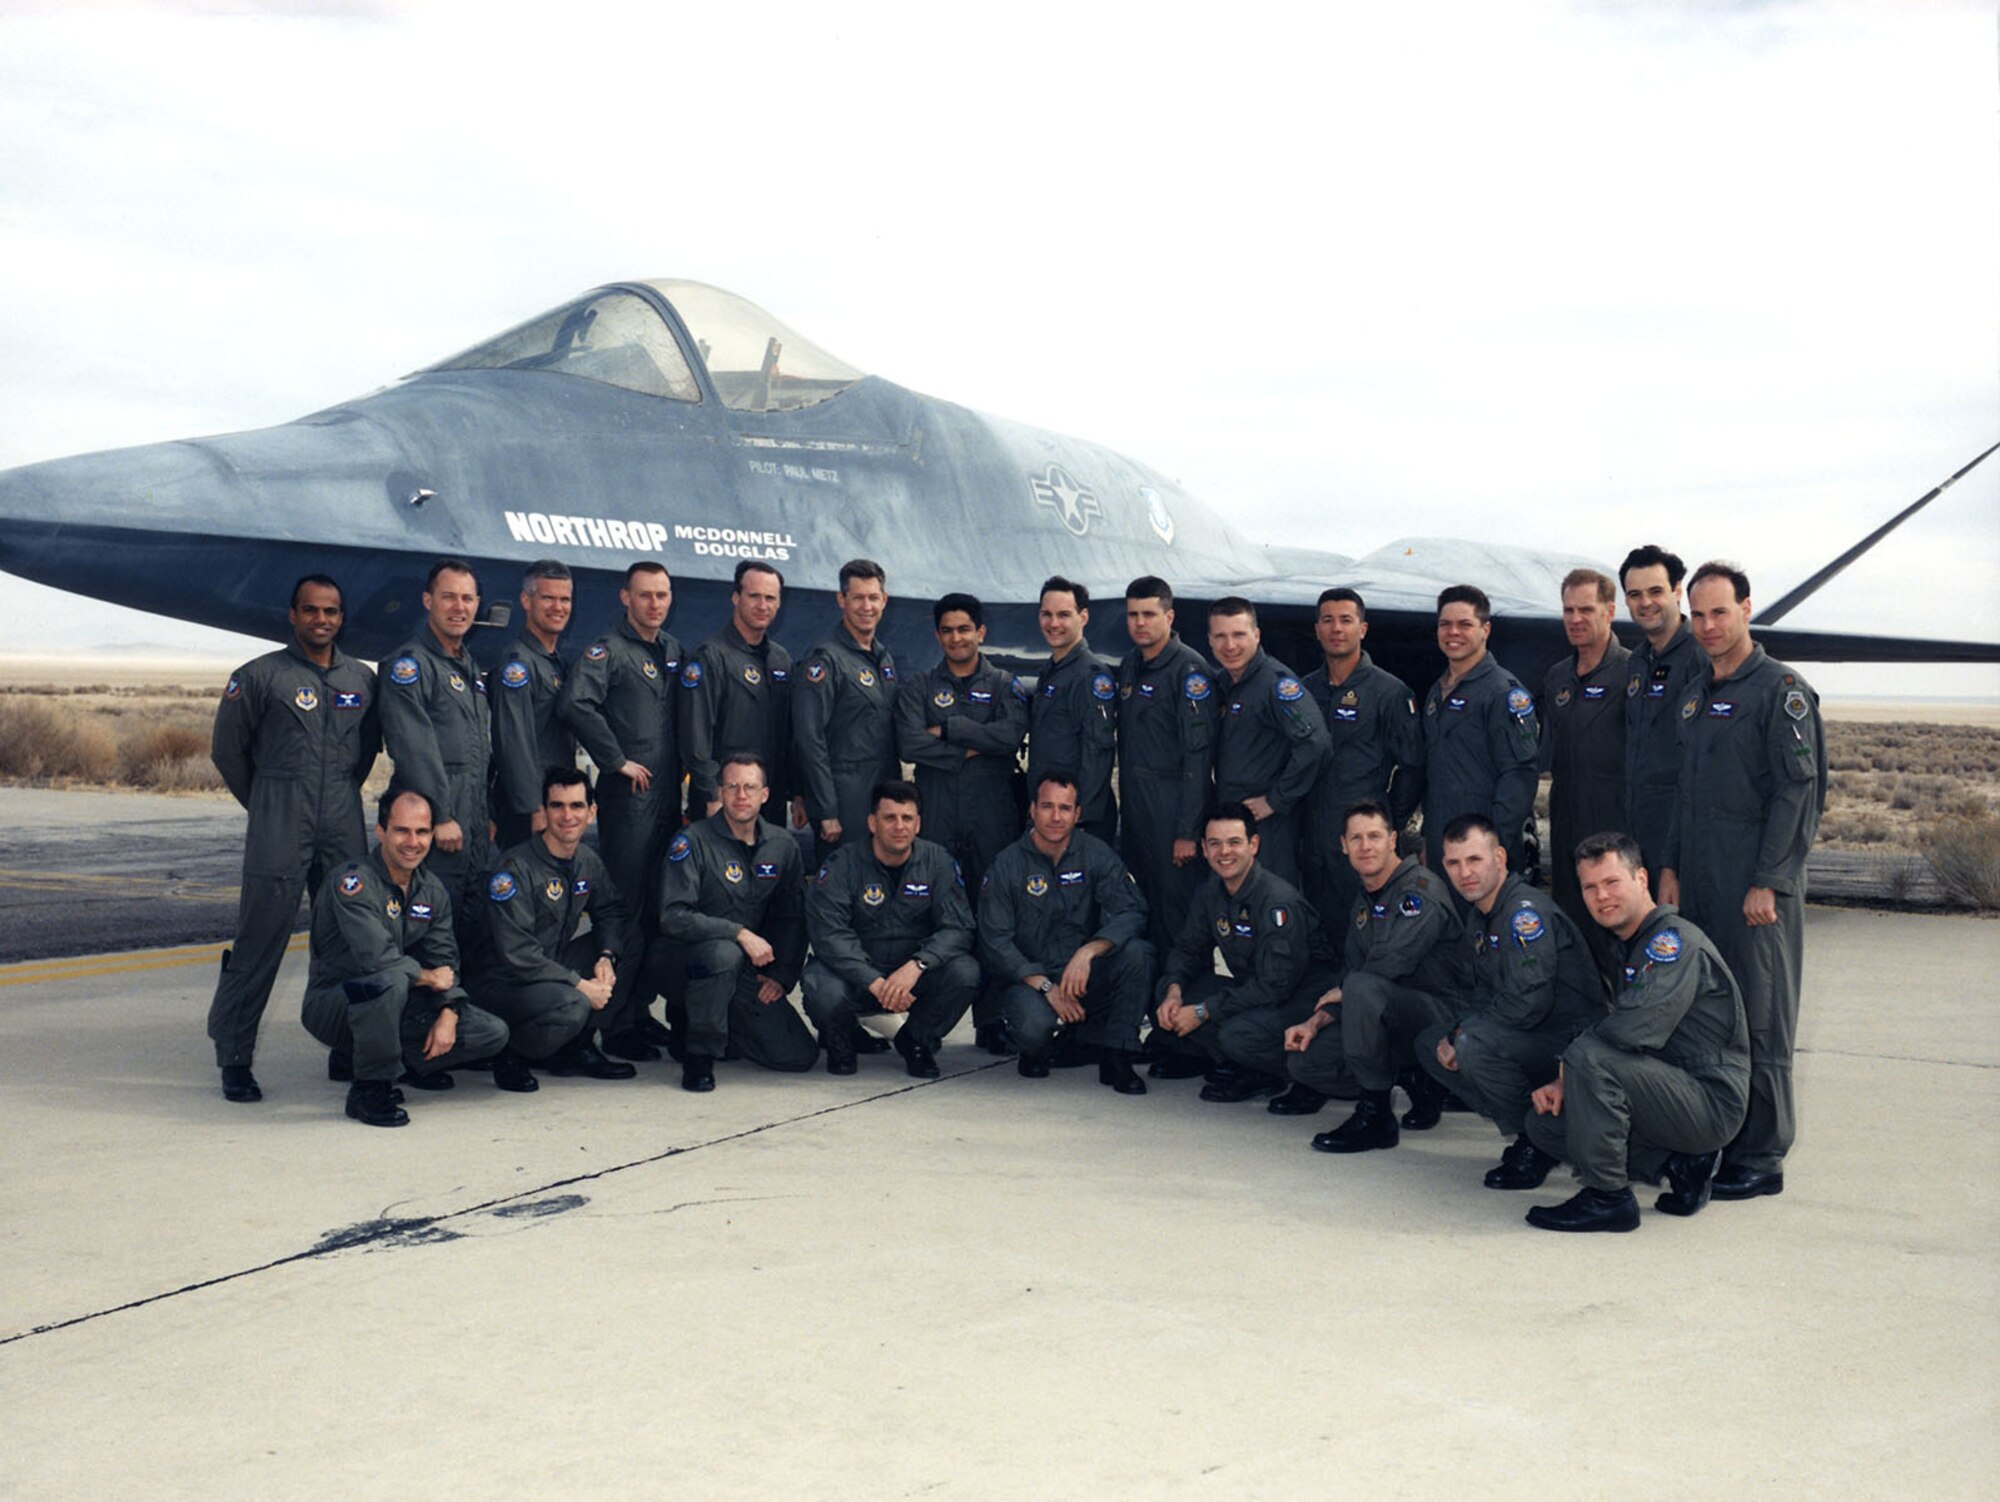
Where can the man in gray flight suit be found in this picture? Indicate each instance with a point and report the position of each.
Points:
(1658, 1085)
(1073, 717)
(1407, 965)
(439, 732)
(844, 722)
(1166, 746)
(961, 724)
(890, 932)
(736, 694)
(1583, 732)
(532, 967)
(1270, 741)
(1375, 753)
(295, 737)
(732, 897)
(1534, 987)
(1278, 958)
(1752, 786)
(1061, 927)
(621, 702)
(382, 992)
(1662, 671)
(1481, 741)
(529, 736)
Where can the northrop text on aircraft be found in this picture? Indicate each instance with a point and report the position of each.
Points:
(674, 420)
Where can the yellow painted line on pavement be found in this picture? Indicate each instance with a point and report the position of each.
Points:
(58, 881)
(85, 966)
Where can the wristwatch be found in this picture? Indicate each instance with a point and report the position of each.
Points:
(917, 960)
(1047, 986)
(1201, 1011)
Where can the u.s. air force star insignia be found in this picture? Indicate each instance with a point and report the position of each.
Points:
(751, 674)
(1038, 885)
(1076, 505)
(733, 871)
(1664, 947)
(307, 700)
(553, 889)
(1795, 704)
(873, 895)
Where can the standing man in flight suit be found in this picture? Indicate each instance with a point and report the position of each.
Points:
(620, 701)
(1073, 718)
(1583, 732)
(961, 724)
(529, 736)
(1270, 742)
(1660, 674)
(1166, 735)
(1375, 753)
(1278, 958)
(1407, 962)
(1060, 930)
(295, 737)
(844, 723)
(737, 694)
(383, 991)
(439, 732)
(532, 967)
(890, 932)
(732, 896)
(1659, 1084)
(1752, 785)
(1534, 987)
(1481, 742)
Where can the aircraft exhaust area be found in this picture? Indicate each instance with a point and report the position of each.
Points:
(978, 1287)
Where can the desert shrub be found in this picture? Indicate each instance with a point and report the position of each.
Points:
(39, 741)
(167, 757)
(1965, 854)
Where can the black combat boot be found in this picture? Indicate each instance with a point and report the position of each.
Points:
(1522, 1166)
(1372, 1125)
(369, 1102)
(1589, 1210)
(698, 1073)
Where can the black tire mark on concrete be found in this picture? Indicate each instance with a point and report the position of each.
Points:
(425, 1230)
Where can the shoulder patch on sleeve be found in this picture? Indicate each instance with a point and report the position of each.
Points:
(1795, 703)
(596, 651)
(514, 674)
(1528, 925)
(690, 674)
(816, 671)
(1281, 917)
(1101, 686)
(1197, 687)
(350, 883)
(233, 688)
(1290, 690)
(1411, 905)
(678, 850)
(500, 887)
(1664, 947)
(403, 670)
(1520, 703)
(1018, 689)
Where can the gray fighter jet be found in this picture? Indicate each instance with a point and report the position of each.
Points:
(673, 420)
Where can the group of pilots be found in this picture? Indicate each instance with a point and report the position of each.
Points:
(1066, 861)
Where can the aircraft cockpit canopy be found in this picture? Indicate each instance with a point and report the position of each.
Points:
(755, 362)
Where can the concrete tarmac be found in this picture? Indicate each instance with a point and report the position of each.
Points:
(981, 1287)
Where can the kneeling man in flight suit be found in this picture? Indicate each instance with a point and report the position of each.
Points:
(1660, 1085)
(382, 992)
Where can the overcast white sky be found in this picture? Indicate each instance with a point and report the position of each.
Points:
(1725, 276)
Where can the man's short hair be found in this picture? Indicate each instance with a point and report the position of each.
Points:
(1652, 555)
(1607, 588)
(1340, 592)
(1369, 808)
(567, 777)
(1151, 587)
(1061, 779)
(321, 581)
(1466, 594)
(1233, 605)
(1228, 812)
(1721, 568)
(965, 604)
(645, 566)
(862, 568)
(746, 759)
(754, 566)
(1465, 826)
(1616, 842)
(453, 565)
(394, 792)
(540, 569)
(894, 790)
(1057, 584)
